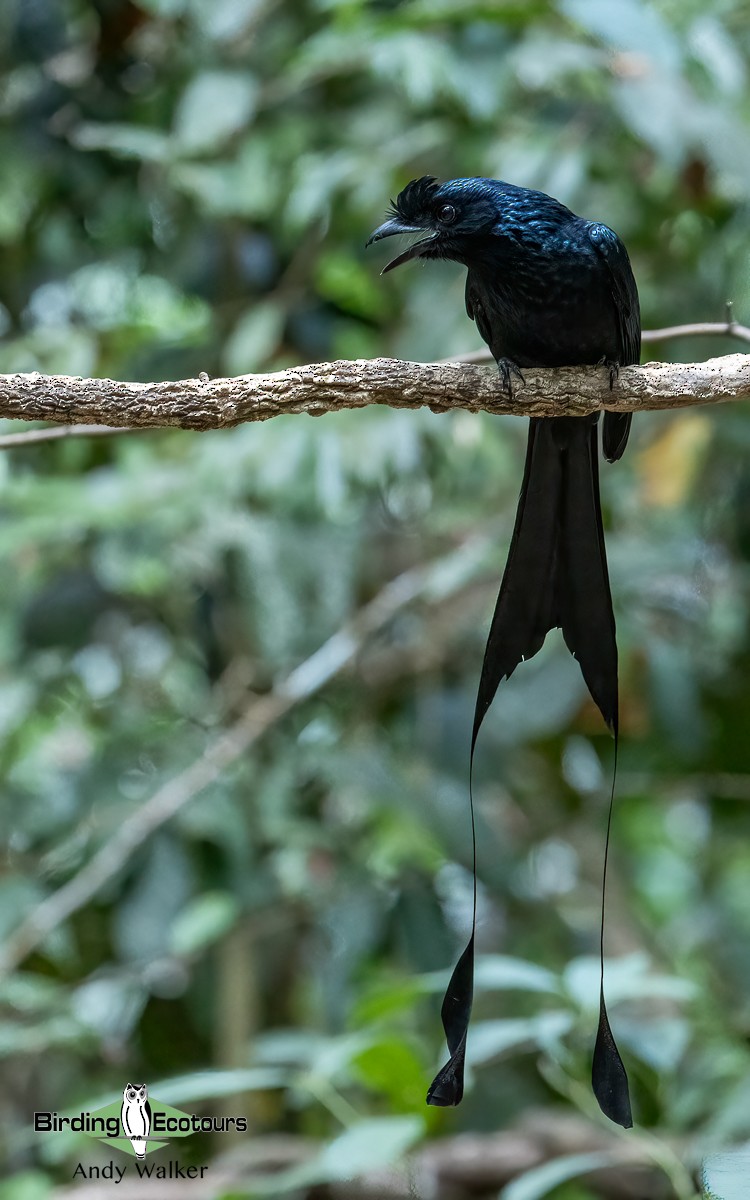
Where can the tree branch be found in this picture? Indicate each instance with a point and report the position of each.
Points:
(319, 388)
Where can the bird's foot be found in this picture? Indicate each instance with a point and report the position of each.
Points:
(508, 369)
(614, 370)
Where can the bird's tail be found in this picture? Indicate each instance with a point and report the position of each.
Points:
(556, 576)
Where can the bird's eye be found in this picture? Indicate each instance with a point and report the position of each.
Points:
(446, 214)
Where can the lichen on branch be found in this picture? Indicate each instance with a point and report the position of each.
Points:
(320, 388)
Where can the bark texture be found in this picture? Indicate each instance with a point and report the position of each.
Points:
(320, 388)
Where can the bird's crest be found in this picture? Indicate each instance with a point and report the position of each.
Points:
(414, 200)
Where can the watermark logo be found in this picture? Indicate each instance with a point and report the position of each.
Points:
(135, 1117)
(137, 1125)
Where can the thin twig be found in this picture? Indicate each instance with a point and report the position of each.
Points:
(303, 682)
(728, 328)
(31, 437)
(706, 328)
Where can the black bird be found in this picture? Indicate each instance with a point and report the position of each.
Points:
(546, 289)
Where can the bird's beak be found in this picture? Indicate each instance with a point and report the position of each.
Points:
(393, 226)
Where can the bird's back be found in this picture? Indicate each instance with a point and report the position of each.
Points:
(541, 295)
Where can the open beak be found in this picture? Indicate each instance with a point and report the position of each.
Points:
(389, 229)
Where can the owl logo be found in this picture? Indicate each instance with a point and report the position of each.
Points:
(135, 1116)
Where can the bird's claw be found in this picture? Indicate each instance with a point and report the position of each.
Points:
(508, 369)
(614, 370)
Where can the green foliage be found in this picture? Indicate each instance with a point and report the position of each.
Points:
(188, 186)
(541, 1181)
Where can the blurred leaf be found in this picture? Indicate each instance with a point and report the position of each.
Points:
(659, 1041)
(110, 1006)
(18, 194)
(165, 8)
(225, 19)
(209, 1085)
(248, 185)
(388, 998)
(498, 972)
(17, 895)
(626, 978)
(392, 1070)
(488, 1039)
(253, 339)
(200, 1085)
(540, 1181)
(26, 1185)
(712, 45)
(29, 993)
(346, 282)
(333, 1056)
(126, 141)
(161, 885)
(204, 921)
(214, 106)
(628, 25)
(370, 1144)
(56, 1033)
(294, 1047)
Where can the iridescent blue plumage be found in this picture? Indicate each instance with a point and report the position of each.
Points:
(546, 288)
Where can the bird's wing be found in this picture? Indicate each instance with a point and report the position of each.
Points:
(475, 310)
(147, 1110)
(613, 255)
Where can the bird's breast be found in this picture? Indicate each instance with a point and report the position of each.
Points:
(540, 310)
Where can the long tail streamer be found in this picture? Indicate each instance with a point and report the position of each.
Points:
(556, 576)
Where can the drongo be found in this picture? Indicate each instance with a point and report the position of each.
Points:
(546, 288)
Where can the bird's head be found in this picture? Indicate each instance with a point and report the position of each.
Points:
(453, 216)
